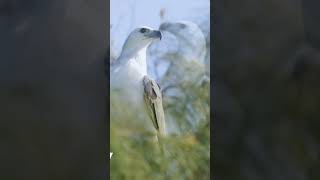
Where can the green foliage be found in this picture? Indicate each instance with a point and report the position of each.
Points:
(186, 152)
(185, 156)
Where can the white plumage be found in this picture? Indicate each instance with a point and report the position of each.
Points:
(129, 85)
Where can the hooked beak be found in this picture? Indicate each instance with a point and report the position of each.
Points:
(155, 34)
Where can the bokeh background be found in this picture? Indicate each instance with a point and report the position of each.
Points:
(53, 89)
(185, 89)
(266, 68)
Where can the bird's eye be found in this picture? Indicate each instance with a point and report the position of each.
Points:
(182, 26)
(144, 30)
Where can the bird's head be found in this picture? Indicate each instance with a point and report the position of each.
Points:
(185, 28)
(140, 38)
(190, 38)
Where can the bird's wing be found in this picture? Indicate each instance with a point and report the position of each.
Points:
(153, 101)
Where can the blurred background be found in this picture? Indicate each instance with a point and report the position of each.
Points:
(53, 90)
(266, 67)
(185, 84)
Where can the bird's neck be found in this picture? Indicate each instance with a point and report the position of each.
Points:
(139, 56)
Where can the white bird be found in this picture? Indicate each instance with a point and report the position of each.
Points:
(192, 49)
(132, 88)
(190, 38)
(179, 62)
(183, 54)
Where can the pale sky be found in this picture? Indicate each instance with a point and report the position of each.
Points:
(128, 14)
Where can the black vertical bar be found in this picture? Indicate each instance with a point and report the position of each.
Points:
(311, 18)
(53, 89)
(107, 72)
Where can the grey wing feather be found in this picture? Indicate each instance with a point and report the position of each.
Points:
(153, 101)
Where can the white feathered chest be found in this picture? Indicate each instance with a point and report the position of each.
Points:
(127, 78)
